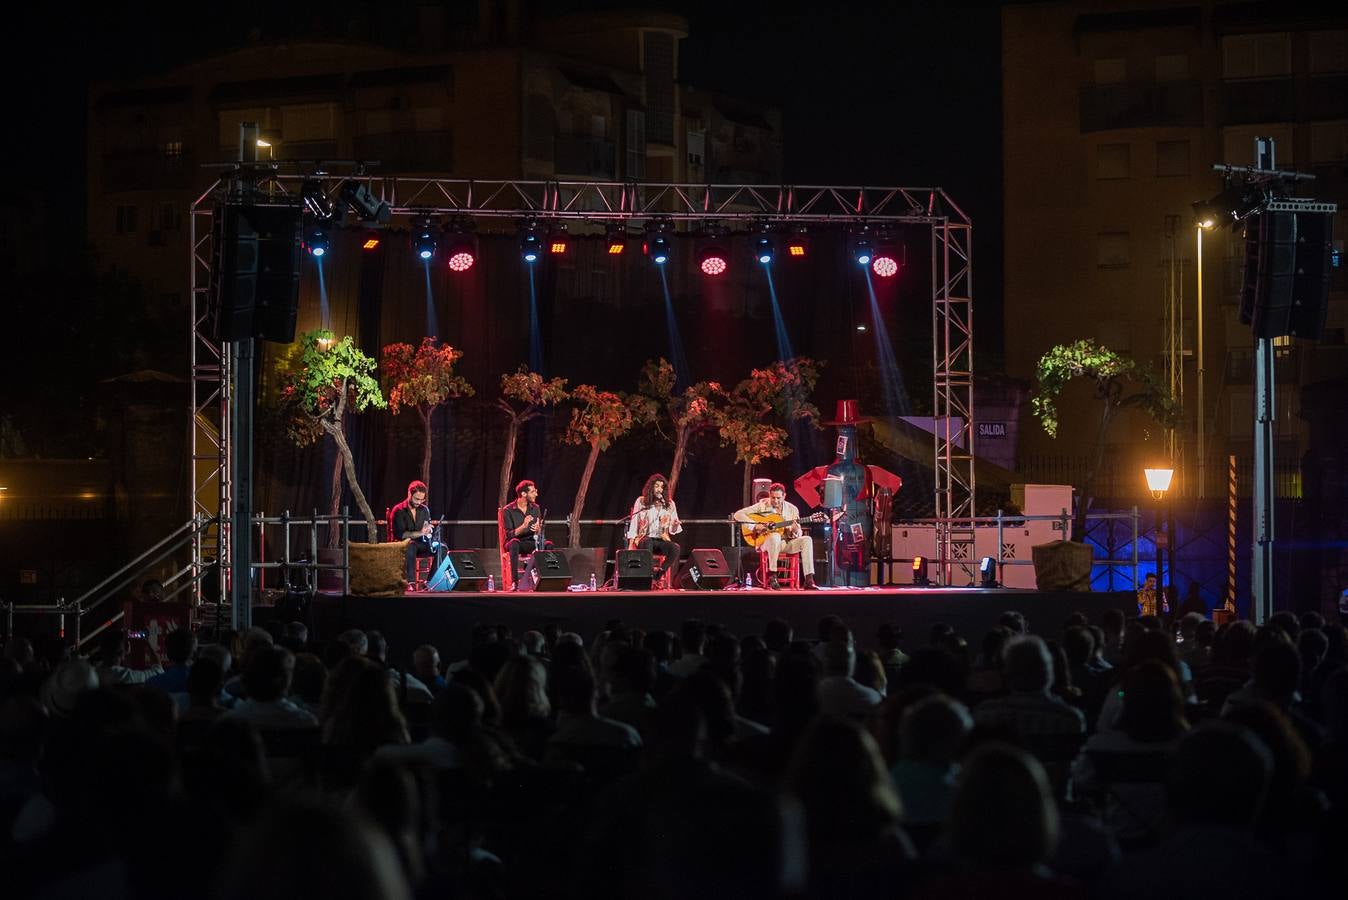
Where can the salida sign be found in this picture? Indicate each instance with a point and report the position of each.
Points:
(992, 429)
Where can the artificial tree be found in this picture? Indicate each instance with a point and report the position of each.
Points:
(524, 396)
(754, 417)
(598, 419)
(679, 416)
(422, 379)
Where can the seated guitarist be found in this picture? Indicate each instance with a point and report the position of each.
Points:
(776, 541)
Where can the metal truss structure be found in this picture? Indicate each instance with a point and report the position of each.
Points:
(600, 204)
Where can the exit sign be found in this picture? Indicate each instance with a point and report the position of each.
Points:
(994, 430)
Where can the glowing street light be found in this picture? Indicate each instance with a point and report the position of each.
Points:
(1158, 481)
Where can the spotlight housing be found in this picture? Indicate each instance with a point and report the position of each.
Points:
(920, 578)
(424, 240)
(557, 241)
(861, 251)
(657, 246)
(987, 572)
(317, 201)
(358, 196)
(885, 266)
(712, 261)
(461, 254)
(797, 245)
(531, 242)
(763, 249)
(316, 241)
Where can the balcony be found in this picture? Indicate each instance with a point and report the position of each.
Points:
(1135, 105)
(408, 151)
(584, 156)
(1262, 100)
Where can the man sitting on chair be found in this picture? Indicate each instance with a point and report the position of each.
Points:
(523, 526)
(654, 519)
(789, 539)
(411, 521)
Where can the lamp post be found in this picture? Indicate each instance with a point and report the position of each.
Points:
(1158, 482)
(1205, 223)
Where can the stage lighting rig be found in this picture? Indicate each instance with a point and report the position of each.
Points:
(317, 201)
(531, 242)
(987, 572)
(424, 241)
(316, 240)
(657, 246)
(461, 248)
(616, 236)
(557, 241)
(712, 261)
(763, 248)
(920, 578)
(797, 244)
(357, 195)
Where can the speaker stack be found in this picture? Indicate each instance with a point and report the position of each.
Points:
(257, 272)
(1285, 281)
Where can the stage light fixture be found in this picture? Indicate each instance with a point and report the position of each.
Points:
(712, 261)
(462, 253)
(617, 239)
(424, 240)
(362, 200)
(316, 241)
(987, 572)
(317, 201)
(861, 251)
(371, 243)
(920, 571)
(531, 242)
(557, 243)
(763, 249)
(885, 266)
(657, 248)
(797, 245)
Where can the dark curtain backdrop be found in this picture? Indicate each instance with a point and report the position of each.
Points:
(601, 318)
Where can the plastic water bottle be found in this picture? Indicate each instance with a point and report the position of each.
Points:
(594, 582)
(491, 584)
(748, 581)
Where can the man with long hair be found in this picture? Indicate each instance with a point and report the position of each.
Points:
(654, 519)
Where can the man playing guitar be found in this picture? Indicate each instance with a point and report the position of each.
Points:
(777, 522)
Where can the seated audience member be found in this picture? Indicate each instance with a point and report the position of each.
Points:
(180, 647)
(1003, 829)
(1111, 621)
(755, 701)
(1294, 812)
(20, 651)
(64, 687)
(306, 688)
(870, 672)
(205, 686)
(1275, 674)
(777, 636)
(1142, 646)
(724, 726)
(839, 692)
(295, 638)
(631, 676)
(426, 666)
(1078, 644)
(246, 643)
(1311, 647)
(526, 714)
(931, 736)
(458, 739)
(579, 724)
(534, 644)
(1030, 707)
(112, 650)
(985, 675)
(1216, 788)
(891, 657)
(366, 718)
(267, 682)
(409, 688)
(660, 644)
(852, 811)
(693, 636)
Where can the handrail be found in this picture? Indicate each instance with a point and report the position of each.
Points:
(155, 554)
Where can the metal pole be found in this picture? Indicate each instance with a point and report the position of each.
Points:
(1261, 603)
(1202, 420)
(241, 433)
(1231, 533)
(1136, 523)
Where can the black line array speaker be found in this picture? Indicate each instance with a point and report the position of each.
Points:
(549, 570)
(257, 272)
(706, 570)
(635, 570)
(1285, 282)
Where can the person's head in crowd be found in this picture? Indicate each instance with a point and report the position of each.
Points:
(1291, 756)
(795, 699)
(751, 643)
(1237, 644)
(575, 691)
(632, 671)
(1311, 647)
(1003, 816)
(1111, 620)
(112, 647)
(568, 654)
(503, 632)
(693, 635)
(1276, 672)
(993, 644)
(713, 698)
(1075, 620)
(473, 680)
(335, 653)
(1027, 665)
(64, 687)
(826, 627)
(933, 730)
(1149, 622)
(180, 646)
(777, 635)
(840, 655)
(569, 637)
(376, 647)
(339, 684)
(1014, 621)
(1311, 621)
(357, 640)
(387, 793)
(219, 653)
(659, 644)
(1219, 776)
(1188, 626)
(296, 637)
(522, 690)
(489, 658)
(1204, 633)
(888, 637)
(956, 646)
(938, 632)
(534, 643)
(205, 681)
(937, 667)
(251, 639)
(1152, 645)
(426, 663)
(152, 590)
(1286, 621)
(551, 632)
(268, 673)
(1079, 645)
(1153, 704)
(885, 726)
(759, 670)
(20, 651)
(157, 709)
(838, 775)
(309, 678)
(870, 672)
(369, 715)
(723, 657)
(456, 713)
(311, 850)
(1062, 671)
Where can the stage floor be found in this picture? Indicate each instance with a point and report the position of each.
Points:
(446, 619)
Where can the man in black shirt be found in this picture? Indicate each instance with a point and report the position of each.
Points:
(523, 526)
(412, 523)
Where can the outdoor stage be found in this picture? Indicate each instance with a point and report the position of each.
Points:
(446, 620)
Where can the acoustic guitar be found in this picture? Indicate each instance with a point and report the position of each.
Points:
(764, 524)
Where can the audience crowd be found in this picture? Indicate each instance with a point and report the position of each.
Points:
(1110, 758)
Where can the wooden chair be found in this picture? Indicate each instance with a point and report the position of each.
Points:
(787, 573)
(422, 574)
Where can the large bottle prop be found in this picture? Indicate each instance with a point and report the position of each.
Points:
(850, 566)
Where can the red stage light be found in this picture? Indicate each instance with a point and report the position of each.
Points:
(795, 249)
(557, 246)
(713, 264)
(884, 266)
(461, 261)
(616, 248)
(370, 243)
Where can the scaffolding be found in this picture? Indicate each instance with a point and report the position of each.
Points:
(600, 204)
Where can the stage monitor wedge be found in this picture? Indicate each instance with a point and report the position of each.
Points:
(635, 570)
(461, 570)
(706, 570)
(549, 570)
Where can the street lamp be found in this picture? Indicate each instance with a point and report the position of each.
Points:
(1206, 222)
(1158, 482)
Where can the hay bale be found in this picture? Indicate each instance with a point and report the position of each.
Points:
(1062, 566)
(378, 569)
